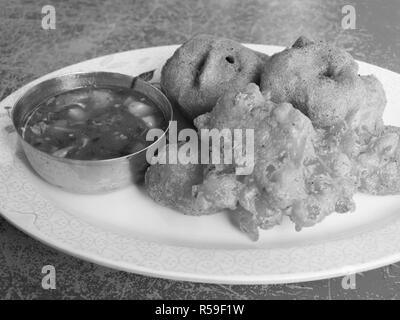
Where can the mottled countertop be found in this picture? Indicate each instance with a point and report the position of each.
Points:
(87, 29)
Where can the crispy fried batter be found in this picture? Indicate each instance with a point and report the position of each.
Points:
(290, 177)
(318, 129)
(193, 189)
(203, 67)
(171, 185)
(374, 156)
(379, 163)
(323, 82)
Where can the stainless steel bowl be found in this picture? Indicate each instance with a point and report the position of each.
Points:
(86, 176)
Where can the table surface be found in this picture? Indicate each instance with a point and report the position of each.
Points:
(87, 29)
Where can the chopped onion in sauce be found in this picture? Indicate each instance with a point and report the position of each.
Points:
(93, 123)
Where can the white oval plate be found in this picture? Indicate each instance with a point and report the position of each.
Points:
(126, 230)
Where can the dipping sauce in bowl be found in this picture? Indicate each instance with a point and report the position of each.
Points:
(93, 123)
(86, 132)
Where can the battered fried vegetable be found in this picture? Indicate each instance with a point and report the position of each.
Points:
(193, 189)
(290, 177)
(379, 163)
(374, 156)
(323, 82)
(171, 185)
(203, 68)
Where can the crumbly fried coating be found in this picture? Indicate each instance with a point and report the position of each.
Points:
(171, 185)
(374, 156)
(193, 189)
(318, 137)
(203, 68)
(289, 177)
(379, 162)
(300, 172)
(322, 81)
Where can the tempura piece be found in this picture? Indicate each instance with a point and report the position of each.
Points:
(203, 68)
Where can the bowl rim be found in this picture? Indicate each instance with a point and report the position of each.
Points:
(101, 161)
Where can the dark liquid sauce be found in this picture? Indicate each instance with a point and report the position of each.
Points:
(93, 123)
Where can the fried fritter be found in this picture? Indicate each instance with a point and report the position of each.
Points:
(322, 81)
(203, 68)
(289, 177)
(300, 172)
(193, 189)
(318, 134)
(374, 156)
(379, 163)
(171, 185)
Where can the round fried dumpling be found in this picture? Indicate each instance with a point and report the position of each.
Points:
(194, 189)
(203, 68)
(323, 82)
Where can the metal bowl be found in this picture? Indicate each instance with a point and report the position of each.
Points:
(87, 176)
